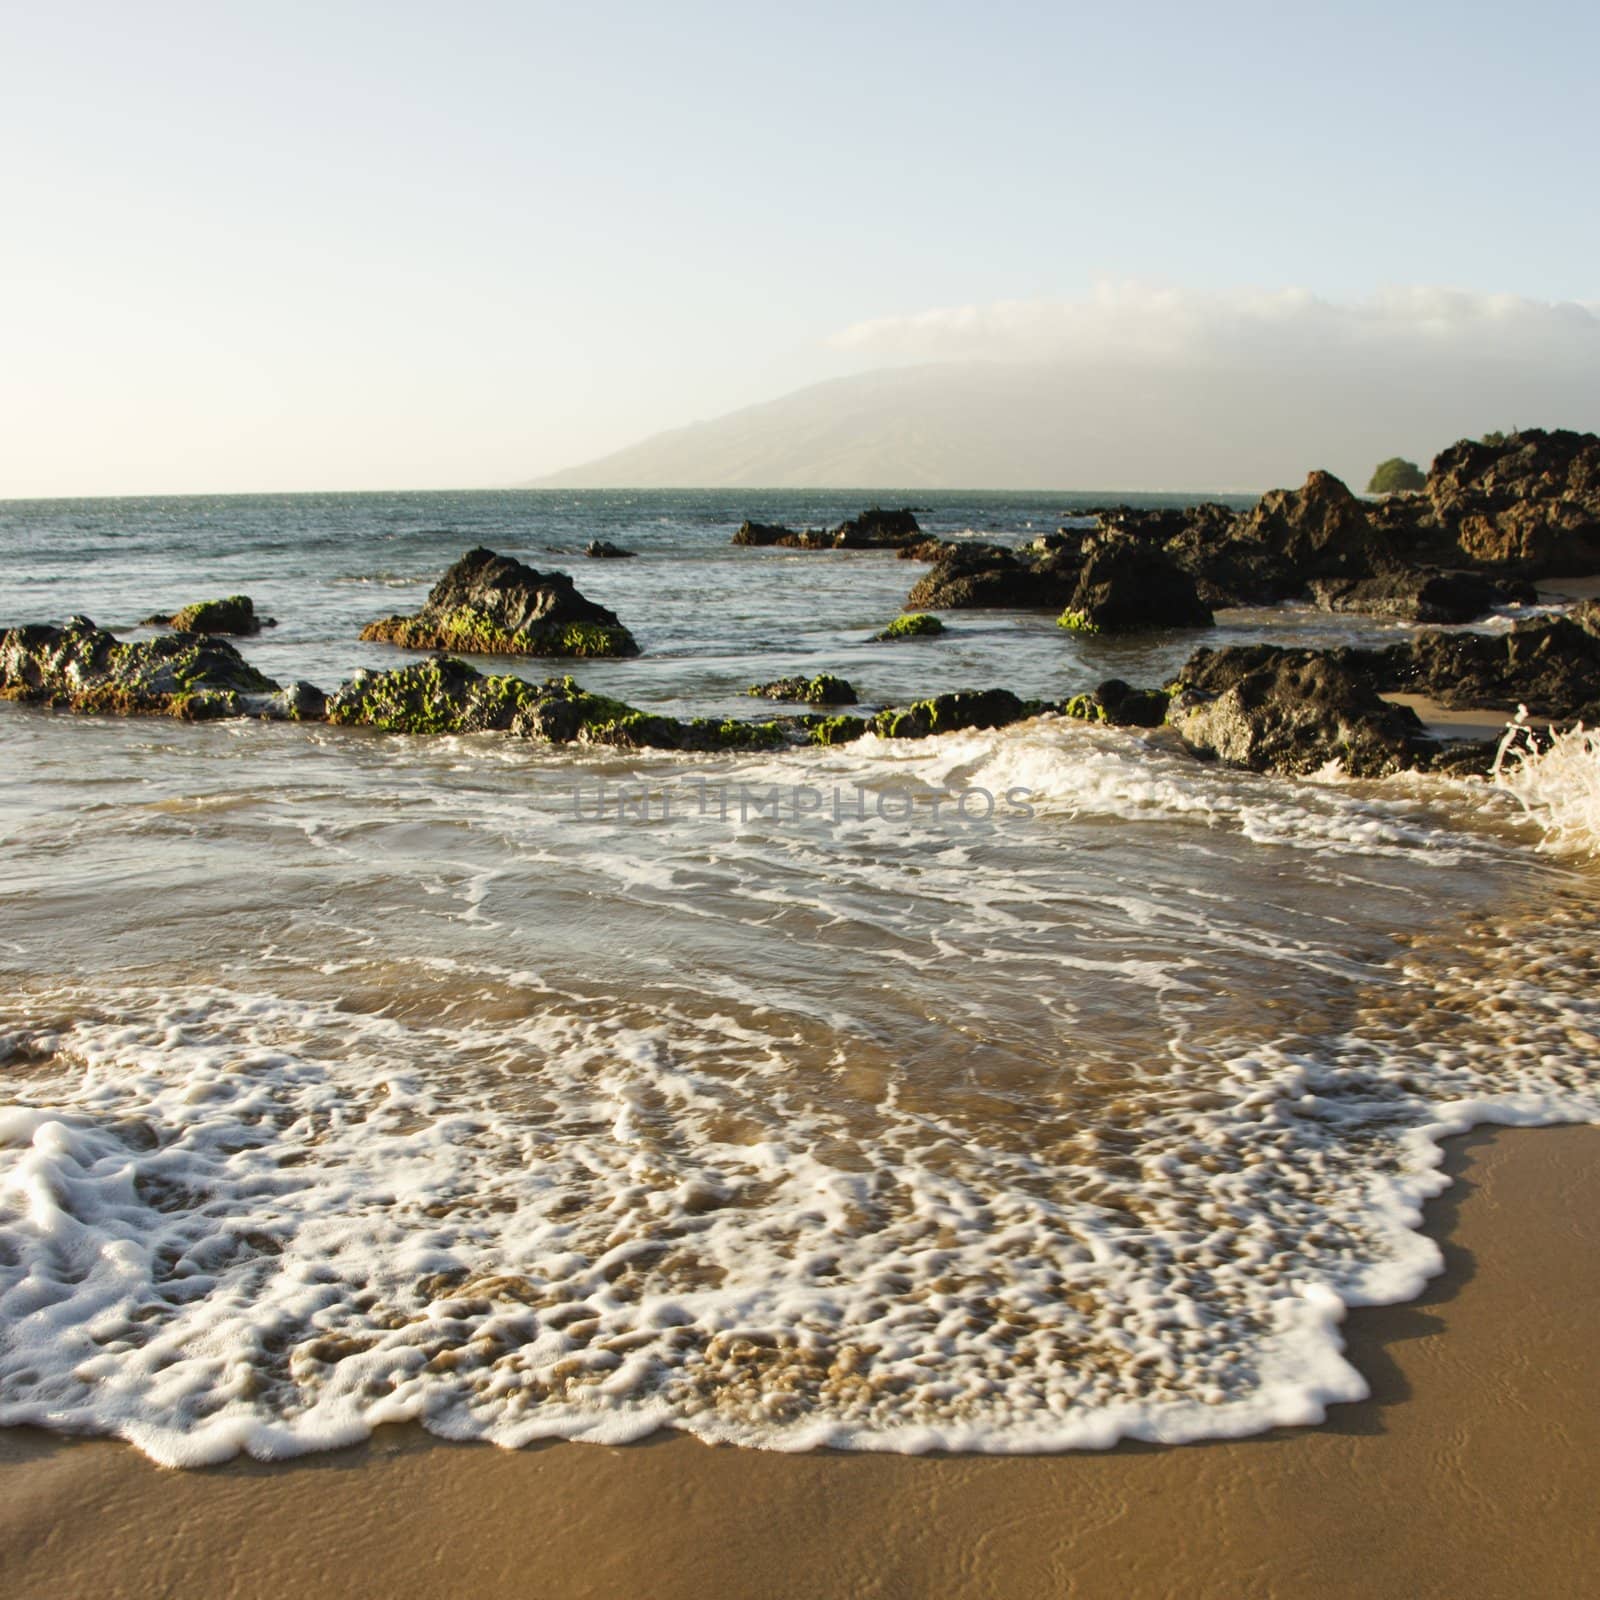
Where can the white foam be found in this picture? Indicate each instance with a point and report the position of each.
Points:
(242, 1222)
(1558, 787)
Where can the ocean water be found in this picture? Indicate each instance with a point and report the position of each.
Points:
(1008, 1091)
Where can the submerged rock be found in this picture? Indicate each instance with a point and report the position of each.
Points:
(494, 605)
(80, 667)
(235, 615)
(822, 690)
(1291, 711)
(604, 550)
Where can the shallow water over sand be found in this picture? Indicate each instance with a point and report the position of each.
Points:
(354, 1078)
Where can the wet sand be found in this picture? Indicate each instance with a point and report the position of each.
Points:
(1470, 1471)
(1444, 723)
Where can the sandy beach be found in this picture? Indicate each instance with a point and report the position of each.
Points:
(1467, 1472)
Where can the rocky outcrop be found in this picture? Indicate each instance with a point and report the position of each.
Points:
(774, 533)
(874, 529)
(1421, 595)
(235, 616)
(1529, 502)
(493, 605)
(822, 690)
(1125, 585)
(80, 667)
(972, 576)
(604, 550)
(1291, 711)
(1550, 664)
(877, 529)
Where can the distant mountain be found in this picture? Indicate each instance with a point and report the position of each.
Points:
(1134, 426)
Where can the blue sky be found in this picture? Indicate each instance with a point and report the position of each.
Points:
(408, 245)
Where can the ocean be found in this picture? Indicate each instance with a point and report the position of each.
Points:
(1007, 1091)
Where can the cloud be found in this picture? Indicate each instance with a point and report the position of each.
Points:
(1137, 323)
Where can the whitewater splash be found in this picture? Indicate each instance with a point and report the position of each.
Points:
(1557, 782)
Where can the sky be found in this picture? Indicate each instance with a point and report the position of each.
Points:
(409, 245)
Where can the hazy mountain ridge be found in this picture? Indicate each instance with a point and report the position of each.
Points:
(1223, 428)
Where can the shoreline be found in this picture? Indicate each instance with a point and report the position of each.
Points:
(1464, 1472)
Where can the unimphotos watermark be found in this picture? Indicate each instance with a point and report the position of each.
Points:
(701, 800)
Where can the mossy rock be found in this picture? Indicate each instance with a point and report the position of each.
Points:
(488, 604)
(1120, 705)
(473, 633)
(949, 713)
(822, 690)
(914, 625)
(835, 730)
(236, 615)
(1077, 621)
(80, 667)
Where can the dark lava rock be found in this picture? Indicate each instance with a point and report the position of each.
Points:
(1120, 704)
(1291, 711)
(236, 616)
(604, 550)
(1125, 584)
(492, 605)
(1529, 502)
(80, 667)
(971, 576)
(1421, 595)
(877, 529)
(946, 713)
(822, 690)
(874, 529)
(1550, 664)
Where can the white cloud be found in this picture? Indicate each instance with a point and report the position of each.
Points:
(1132, 322)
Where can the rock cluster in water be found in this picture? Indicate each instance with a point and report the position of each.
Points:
(874, 529)
(493, 605)
(194, 676)
(1490, 518)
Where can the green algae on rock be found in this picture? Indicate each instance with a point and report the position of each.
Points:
(80, 667)
(948, 713)
(835, 730)
(493, 605)
(914, 625)
(234, 615)
(823, 690)
(448, 696)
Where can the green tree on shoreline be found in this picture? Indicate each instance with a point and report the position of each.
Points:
(1395, 475)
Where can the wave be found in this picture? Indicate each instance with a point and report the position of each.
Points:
(1557, 783)
(235, 1221)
